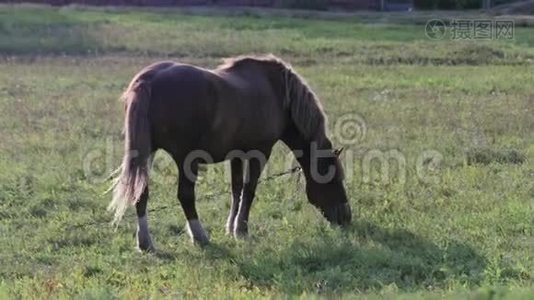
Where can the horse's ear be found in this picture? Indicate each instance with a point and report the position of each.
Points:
(338, 151)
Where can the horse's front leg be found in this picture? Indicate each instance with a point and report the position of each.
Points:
(236, 166)
(186, 196)
(253, 172)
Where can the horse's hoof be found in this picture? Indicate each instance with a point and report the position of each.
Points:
(145, 248)
(229, 230)
(200, 238)
(201, 241)
(240, 234)
(144, 243)
(230, 225)
(197, 233)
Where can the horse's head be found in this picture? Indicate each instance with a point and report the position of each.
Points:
(325, 190)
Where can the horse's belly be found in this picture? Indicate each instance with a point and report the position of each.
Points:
(226, 142)
(218, 150)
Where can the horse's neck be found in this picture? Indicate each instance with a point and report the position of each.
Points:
(307, 150)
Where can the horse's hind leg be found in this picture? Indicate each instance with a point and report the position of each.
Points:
(144, 242)
(186, 196)
(237, 186)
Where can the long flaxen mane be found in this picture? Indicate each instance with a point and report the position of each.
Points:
(306, 110)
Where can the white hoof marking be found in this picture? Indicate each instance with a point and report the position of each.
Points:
(196, 232)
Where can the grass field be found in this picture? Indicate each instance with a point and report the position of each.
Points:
(467, 232)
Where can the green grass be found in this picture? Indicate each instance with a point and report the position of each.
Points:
(468, 232)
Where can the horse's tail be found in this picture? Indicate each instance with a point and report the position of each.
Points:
(133, 179)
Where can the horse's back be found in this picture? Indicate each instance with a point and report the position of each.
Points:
(193, 108)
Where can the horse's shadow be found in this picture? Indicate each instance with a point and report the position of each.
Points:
(365, 257)
(376, 258)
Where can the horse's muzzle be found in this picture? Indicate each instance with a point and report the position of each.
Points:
(339, 215)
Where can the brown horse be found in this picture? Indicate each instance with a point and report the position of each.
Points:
(236, 112)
